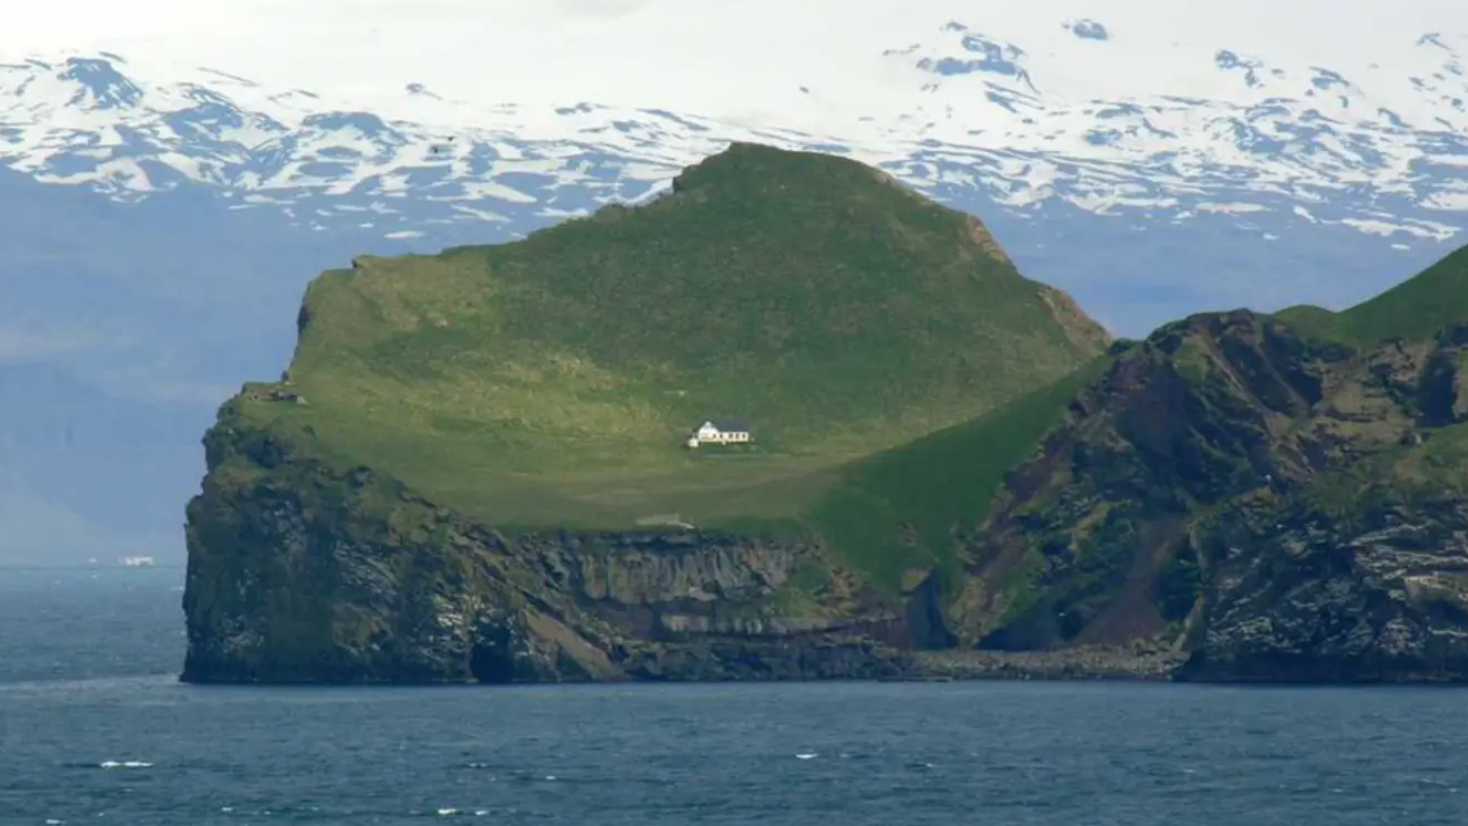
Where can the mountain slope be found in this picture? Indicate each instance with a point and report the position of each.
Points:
(552, 381)
(1433, 300)
(1142, 112)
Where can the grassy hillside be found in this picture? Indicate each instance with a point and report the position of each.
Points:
(551, 381)
(897, 509)
(1414, 309)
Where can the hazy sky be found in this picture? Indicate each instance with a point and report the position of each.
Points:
(716, 56)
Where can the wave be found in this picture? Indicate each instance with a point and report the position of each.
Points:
(90, 683)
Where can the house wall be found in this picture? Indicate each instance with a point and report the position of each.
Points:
(719, 437)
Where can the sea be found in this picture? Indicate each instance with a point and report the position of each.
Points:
(96, 729)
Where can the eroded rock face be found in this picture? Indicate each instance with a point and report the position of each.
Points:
(1382, 600)
(284, 587)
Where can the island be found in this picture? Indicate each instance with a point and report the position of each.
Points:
(792, 420)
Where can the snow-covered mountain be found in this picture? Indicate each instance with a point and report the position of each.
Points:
(1101, 117)
(1334, 114)
(172, 174)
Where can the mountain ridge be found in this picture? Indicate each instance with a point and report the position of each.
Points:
(291, 144)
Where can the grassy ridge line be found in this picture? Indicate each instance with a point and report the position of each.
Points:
(1420, 306)
(1414, 309)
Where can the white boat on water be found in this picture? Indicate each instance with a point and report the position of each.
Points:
(137, 562)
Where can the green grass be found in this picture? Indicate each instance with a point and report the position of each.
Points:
(898, 509)
(1313, 322)
(1413, 476)
(1415, 309)
(551, 381)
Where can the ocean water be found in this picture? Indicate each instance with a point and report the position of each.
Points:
(94, 729)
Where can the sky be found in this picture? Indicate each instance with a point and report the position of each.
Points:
(743, 59)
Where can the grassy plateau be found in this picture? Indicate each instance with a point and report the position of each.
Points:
(552, 381)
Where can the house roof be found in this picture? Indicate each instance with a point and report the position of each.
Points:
(730, 425)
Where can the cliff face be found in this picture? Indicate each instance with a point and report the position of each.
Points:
(1297, 598)
(1231, 499)
(301, 573)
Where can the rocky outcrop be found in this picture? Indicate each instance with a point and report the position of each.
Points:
(1273, 506)
(1305, 598)
(1231, 500)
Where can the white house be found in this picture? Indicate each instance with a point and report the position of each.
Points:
(721, 432)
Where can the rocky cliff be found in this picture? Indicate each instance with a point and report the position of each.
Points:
(1231, 500)
(1276, 506)
(300, 572)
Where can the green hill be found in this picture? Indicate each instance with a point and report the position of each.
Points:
(1414, 309)
(553, 381)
